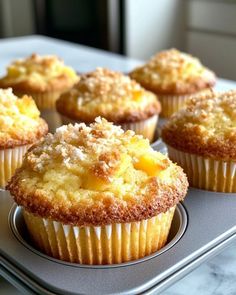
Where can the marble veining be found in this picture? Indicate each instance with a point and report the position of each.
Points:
(215, 277)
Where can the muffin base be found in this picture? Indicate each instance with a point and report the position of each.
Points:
(146, 127)
(10, 160)
(173, 103)
(109, 244)
(206, 173)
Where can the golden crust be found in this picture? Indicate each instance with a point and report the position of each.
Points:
(161, 198)
(25, 138)
(96, 175)
(173, 72)
(20, 122)
(207, 127)
(39, 74)
(108, 94)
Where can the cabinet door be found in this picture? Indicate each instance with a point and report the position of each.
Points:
(218, 52)
(212, 16)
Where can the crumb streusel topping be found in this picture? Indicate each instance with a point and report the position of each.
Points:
(108, 94)
(20, 121)
(41, 72)
(172, 71)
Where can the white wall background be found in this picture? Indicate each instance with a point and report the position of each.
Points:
(153, 25)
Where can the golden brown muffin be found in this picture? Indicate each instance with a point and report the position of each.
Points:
(202, 139)
(102, 186)
(113, 96)
(45, 78)
(20, 127)
(174, 76)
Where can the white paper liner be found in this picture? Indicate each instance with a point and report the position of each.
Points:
(44, 101)
(115, 243)
(206, 173)
(10, 159)
(173, 103)
(146, 127)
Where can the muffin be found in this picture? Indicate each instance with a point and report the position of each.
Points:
(174, 76)
(113, 96)
(44, 78)
(97, 195)
(20, 127)
(202, 139)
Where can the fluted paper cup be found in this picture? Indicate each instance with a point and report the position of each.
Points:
(108, 244)
(10, 160)
(173, 103)
(44, 101)
(206, 173)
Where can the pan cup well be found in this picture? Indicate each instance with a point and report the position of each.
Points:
(64, 249)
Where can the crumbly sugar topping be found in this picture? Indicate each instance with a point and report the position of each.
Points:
(102, 150)
(41, 69)
(108, 94)
(77, 143)
(172, 66)
(214, 116)
(18, 117)
(106, 85)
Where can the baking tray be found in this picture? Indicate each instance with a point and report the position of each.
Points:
(203, 225)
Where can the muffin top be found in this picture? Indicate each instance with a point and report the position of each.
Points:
(109, 94)
(174, 72)
(39, 73)
(95, 175)
(207, 126)
(20, 121)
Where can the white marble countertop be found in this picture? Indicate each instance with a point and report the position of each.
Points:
(215, 277)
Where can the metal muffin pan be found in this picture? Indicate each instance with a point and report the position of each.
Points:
(19, 229)
(202, 227)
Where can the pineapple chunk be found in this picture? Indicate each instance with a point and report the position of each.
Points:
(27, 106)
(137, 96)
(150, 164)
(14, 71)
(92, 182)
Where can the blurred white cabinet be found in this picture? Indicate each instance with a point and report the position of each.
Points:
(211, 34)
(153, 25)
